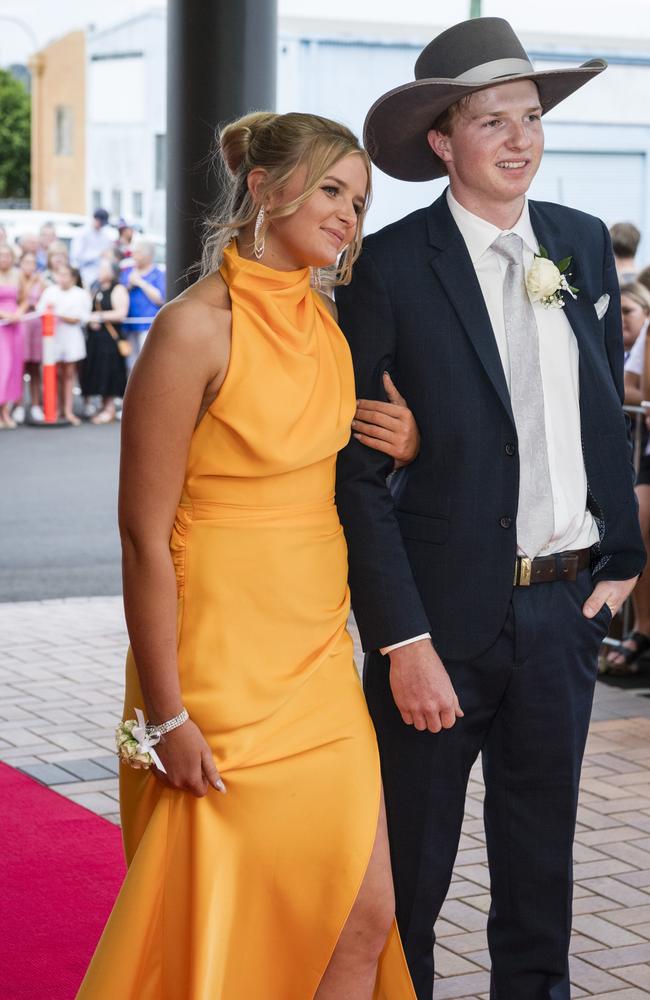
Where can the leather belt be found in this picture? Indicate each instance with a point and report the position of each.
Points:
(546, 569)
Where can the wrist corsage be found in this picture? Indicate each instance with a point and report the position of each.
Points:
(136, 739)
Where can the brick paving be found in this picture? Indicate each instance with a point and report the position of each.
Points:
(61, 667)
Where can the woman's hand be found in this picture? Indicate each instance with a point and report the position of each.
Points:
(188, 761)
(388, 427)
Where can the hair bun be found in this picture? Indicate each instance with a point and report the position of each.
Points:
(235, 139)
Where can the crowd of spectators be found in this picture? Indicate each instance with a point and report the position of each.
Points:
(635, 312)
(103, 292)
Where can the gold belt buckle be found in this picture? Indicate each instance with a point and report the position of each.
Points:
(523, 570)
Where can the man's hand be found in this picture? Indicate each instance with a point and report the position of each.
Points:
(611, 592)
(422, 689)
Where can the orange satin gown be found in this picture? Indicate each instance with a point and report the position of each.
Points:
(243, 896)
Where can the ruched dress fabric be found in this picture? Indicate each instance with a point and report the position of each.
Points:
(243, 896)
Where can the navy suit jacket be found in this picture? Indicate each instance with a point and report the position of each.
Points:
(434, 549)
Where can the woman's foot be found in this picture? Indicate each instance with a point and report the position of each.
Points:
(623, 662)
(70, 417)
(104, 417)
(6, 422)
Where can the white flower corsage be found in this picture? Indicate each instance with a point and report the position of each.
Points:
(546, 282)
(135, 743)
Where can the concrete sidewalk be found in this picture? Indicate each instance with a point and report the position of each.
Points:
(61, 670)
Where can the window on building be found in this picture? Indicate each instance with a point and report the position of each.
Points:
(63, 121)
(116, 203)
(161, 162)
(96, 199)
(137, 204)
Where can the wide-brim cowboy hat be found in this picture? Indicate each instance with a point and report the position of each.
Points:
(470, 56)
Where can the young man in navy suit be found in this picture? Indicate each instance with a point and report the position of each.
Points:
(485, 575)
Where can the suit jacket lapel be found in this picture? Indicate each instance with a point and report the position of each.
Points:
(580, 311)
(453, 266)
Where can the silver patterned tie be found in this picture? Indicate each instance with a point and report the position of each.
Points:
(535, 516)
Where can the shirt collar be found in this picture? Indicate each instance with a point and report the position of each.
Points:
(479, 234)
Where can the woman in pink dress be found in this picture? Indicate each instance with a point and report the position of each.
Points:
(31, 286)
(11, 338)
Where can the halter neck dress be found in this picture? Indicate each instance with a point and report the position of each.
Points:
(243, 896)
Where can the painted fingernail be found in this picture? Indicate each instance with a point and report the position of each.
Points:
(220, 785)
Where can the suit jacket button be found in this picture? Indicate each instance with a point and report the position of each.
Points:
(510, 448)
(506, 522)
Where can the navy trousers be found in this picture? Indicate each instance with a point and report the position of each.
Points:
(527, 702)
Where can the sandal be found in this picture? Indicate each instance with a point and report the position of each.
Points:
(630, 656)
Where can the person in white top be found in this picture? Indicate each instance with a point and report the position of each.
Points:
(71, 306)
(489, 568)
(88, 245)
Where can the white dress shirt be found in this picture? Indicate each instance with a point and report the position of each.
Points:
(574, 527)
(86, 249)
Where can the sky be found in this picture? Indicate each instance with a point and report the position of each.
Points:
(48, 19)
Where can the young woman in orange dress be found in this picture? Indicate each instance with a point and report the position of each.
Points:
(258, 860)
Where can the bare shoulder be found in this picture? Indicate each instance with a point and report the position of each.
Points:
(329, 304)
(199, 317)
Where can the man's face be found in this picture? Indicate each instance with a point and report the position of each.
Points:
(496, 143)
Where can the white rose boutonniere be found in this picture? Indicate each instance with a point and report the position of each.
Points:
(547, 281)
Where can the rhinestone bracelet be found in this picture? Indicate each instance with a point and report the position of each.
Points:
(166, 727)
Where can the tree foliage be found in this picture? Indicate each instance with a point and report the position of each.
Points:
(15, 137)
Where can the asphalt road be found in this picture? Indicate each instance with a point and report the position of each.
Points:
(58, 521)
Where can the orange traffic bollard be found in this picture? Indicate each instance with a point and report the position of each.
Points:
(49, 367)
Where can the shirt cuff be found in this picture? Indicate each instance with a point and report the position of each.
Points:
(407, 642)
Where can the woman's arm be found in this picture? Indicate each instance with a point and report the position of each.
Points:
(184, 354)
(388, 427)
(150, 290)
(633, 394)
(119, 310)
(644, 387)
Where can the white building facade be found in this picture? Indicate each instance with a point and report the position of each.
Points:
(126, 120)
(597, 142)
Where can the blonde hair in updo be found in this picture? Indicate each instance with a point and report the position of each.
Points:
(278, 144)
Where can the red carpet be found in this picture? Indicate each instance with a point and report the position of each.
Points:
(60, 870)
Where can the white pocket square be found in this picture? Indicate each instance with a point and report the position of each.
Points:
(602, 305)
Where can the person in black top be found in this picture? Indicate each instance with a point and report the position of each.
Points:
(104, 371)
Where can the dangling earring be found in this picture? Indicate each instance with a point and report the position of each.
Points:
(315, 273)
(259, 244)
